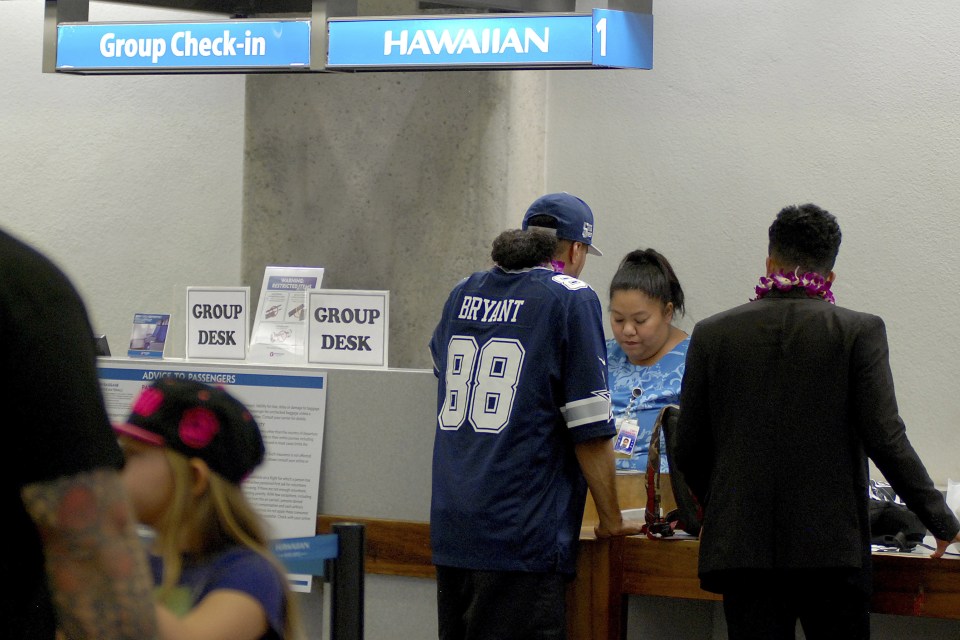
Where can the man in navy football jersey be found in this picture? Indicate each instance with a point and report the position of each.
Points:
(523, 428)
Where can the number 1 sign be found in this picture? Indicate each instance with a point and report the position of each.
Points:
(622, 39)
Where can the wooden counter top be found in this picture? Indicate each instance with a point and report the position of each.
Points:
(610, 570)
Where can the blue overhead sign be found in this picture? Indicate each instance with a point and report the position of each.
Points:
(622, 39)
(183, 46)
(603, 38)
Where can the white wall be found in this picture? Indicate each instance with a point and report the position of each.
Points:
(754, 105)
(132, 184)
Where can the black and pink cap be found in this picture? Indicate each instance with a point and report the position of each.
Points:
(198, 421)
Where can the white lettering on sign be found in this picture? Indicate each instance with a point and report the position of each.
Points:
(484, 41)
(182, 44)
(113, 47)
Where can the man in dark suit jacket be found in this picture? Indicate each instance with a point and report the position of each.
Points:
(783, 400)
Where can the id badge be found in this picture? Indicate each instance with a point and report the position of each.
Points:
(627, 437)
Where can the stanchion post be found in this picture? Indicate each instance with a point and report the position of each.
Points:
(346, 597)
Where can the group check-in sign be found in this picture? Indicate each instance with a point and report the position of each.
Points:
(603, 39)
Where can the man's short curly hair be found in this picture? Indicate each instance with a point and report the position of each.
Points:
(806, 237)
(517, 249)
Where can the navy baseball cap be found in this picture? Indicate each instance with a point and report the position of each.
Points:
(199, 421)
(574, 218)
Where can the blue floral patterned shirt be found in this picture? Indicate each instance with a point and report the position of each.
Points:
(659, 386)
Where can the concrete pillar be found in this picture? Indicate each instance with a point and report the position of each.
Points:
(396, 181)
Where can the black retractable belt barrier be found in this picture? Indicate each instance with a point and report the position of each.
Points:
(346, 581)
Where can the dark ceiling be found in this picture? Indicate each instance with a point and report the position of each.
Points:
(253, 8)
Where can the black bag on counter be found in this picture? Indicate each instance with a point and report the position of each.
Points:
(891, 523)
(688, 515)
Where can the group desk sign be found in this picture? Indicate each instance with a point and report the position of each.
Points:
(348, 327)
(217, 321)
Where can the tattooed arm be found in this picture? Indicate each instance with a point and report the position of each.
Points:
(96, 567)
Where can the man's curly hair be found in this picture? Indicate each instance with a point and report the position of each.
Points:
(806, 237)
(518, 249)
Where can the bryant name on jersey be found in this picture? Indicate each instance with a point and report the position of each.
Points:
(479, 309)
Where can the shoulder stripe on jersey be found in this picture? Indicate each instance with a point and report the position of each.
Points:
(587, 411)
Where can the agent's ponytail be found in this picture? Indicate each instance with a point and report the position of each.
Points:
(648, 271)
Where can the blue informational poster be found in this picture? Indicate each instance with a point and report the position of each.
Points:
(289, 405)
(225, 44)
(149, 335)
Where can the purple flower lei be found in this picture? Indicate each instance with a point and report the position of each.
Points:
(815, 285)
